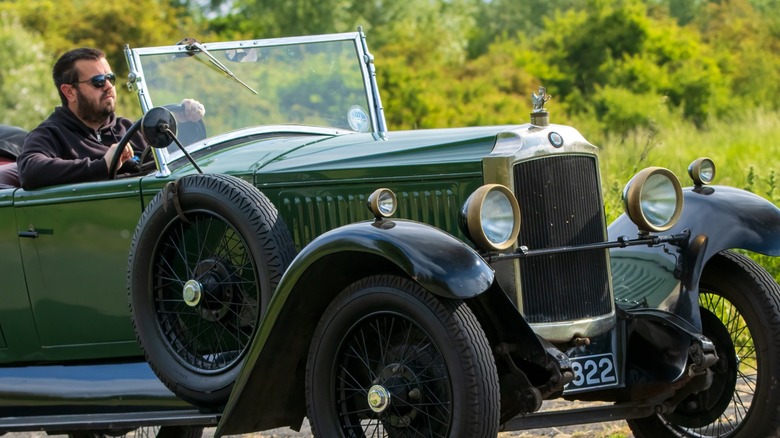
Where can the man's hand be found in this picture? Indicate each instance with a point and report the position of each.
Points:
(127, 153)
(193, 110)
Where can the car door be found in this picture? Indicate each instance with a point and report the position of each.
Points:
(74, 241)
(17, 329)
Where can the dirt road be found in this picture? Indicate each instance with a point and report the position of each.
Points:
(612, 429)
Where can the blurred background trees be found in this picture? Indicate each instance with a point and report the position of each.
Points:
(621, 65)
(25, 94)
(649, 81)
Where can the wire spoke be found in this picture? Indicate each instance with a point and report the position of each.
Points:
(218, 329)
(394, 351)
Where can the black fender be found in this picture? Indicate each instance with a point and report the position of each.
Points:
(269, 391)
(718, 218)
(438, 261)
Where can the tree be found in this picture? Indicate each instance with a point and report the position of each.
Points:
(68, 24)
(747, 48)
(271, 18)
(616, 44)
(26, 86)
(501, 19)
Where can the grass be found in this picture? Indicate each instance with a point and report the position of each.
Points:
(746, 152)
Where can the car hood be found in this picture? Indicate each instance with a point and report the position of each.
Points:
(310, 158)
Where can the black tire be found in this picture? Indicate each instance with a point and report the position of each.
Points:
(740, 308)
(170, 432)
(387, 335)
(202, 269)
(144, 432)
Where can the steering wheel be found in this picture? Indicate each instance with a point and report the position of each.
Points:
(114, 166)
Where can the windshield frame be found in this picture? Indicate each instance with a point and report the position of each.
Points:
(137, 84)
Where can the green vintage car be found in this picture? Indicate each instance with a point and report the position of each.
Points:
(290, 257)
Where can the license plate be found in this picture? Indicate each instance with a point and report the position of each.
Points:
(590, 372)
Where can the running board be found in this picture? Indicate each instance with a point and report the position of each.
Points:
(570, 417)
(107, 421)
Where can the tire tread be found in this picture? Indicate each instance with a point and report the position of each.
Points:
(480, 377)
(260, 215)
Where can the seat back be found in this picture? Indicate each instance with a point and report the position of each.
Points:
(11, 140)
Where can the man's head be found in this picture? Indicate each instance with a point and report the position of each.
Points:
(86, 84)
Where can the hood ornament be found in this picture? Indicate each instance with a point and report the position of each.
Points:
(539, 114)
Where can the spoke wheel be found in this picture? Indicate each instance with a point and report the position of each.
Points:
(390, 359)
(408, 390)
(206, 292)
(205, 259)
(144, 432)
(740, 306)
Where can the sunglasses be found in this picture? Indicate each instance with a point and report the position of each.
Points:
(99, 81)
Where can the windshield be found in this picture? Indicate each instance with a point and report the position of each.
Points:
(320, 82)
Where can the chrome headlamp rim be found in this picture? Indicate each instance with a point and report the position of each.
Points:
(702, 171)
(382, 202)
(474, 226)
(634, 199)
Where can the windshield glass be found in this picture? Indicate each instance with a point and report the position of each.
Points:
(246, 84)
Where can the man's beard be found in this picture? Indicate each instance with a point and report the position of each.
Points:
(92, 112)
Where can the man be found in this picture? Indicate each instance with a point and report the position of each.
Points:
(79, 139)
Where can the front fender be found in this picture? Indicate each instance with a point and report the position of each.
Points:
(269, 391)
(719, 218)
(438, 261)
(729, 217)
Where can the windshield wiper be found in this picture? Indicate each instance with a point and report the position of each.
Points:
(191, 44)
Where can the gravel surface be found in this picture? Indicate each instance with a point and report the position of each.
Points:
(615, 429)
(612, 429)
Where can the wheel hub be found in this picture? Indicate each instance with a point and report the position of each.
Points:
(378, 398)
(192, 293)
(214, 289)
(395, 405)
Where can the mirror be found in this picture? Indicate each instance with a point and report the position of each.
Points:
(158, 127)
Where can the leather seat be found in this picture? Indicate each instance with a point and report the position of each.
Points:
(11, 140)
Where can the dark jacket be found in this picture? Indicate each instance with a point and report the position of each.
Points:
(63, 150)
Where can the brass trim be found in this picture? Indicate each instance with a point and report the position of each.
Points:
(473, 212)
(523, 143)
(633, 196)
(373, 203)
(694, 171)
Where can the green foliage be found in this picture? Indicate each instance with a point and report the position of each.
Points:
(463, 62)
(656, 82)
(107, 25)
(67, 24)
(626, 49)
(738, 146)
(497, 20)
(746, 45)
(25, 81)
(271, 18)
(488, 90)
(622, 111)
